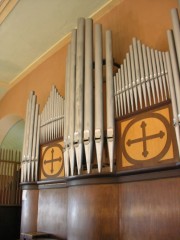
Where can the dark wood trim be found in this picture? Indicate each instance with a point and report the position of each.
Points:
(51, 142)
(169, 166)
(96, 175)
(29, 186)
(170, 173)
(52, 181)
(11, 205)
(52, 186)
(155, 106)
(166, 171)
(108, 178)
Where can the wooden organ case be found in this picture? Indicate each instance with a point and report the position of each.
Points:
(103, 162)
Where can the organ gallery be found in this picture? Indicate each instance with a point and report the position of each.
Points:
(101, 159)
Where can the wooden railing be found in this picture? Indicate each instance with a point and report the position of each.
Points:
(10, 162)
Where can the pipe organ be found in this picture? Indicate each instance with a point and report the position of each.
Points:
(30, 151)
(40, 129)
(141, 81)
(52, 118)
(84, 104)
(173, 65)
(116, 128)
(146, 79)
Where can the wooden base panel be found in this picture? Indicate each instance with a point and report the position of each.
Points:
(134, 209)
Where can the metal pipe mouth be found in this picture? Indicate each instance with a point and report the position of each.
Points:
(86, 141)
(110, 139)
(86, 135)
(98, 140)
(110, 133)
(76, 143)
(66, 147)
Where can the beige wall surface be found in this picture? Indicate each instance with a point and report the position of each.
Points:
(146, 20)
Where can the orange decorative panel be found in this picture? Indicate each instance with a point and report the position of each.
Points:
(146, 139)
(51, 161)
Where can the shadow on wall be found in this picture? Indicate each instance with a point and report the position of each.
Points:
(11, 132)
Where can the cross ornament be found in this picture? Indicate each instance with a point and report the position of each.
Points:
(52, 160)
(145, 138)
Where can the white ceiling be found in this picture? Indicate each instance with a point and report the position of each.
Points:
(32, 28)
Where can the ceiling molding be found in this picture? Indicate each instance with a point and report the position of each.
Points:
(60, 44)
(105, 9)
(3, 4)
(4, 85)
(6, 7)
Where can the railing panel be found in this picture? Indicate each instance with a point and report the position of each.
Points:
(10, 193)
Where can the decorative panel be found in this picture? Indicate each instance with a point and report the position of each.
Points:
(51, 160)
(146, 140)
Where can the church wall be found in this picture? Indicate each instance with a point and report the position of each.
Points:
(144, 19)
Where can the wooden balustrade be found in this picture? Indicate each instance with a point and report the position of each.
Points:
(10, 162)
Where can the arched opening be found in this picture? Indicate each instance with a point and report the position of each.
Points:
(11, 132)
